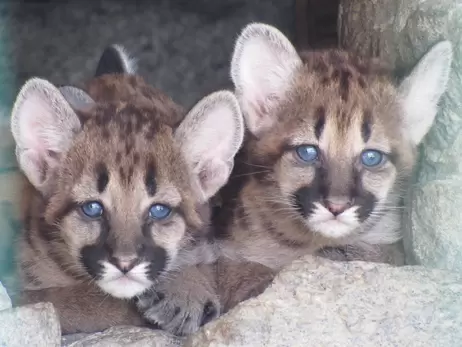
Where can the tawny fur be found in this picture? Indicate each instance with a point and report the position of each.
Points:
(343, 104)
(111, 135)
(127, 151)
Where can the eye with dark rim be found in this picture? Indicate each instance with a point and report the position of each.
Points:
(308, 154)
(372, 158)
(92, 209)
(159, 212)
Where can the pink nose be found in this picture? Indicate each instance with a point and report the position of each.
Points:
(337, 208)
(125, 264)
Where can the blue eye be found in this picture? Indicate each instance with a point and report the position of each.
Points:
(307, 153)
(159, 211)
(371, 158)
(92, 209)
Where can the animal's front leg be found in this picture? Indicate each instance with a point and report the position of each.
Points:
(387, 253)
(84, 308)
(183, 301)
(239, 281)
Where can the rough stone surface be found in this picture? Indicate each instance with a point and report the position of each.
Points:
(32, 326)
(5, 301)
(317, 302)
(401, 31)
(123, 336)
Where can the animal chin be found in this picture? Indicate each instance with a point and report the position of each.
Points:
(124, 286)
(332, 229)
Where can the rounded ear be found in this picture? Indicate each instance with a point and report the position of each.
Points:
(77, 98)
(115, 60)
(210, 136)
(43, 125)
(262, 67)
(421, 91)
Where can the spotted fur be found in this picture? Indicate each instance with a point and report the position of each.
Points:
(277, 207)
(127, 147)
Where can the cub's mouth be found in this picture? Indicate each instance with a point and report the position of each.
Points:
(124, 275)
(124, 284)
(333, 224)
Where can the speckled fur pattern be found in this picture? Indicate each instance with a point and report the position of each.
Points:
(128, 147)
(277, 207)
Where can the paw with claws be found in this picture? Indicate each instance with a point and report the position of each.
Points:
(182, 303)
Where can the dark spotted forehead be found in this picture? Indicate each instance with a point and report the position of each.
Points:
(344, 76)
(129, 131)
(130, 143)
(337, 86)
(124, 120)
(102, 174)
(345, 67)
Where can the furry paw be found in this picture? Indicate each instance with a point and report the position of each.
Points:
(180, 306)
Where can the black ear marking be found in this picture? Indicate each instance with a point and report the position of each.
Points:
(115, 60)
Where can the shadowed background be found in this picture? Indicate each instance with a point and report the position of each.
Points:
(183, 47)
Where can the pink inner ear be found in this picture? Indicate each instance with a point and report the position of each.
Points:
(35, 166)
(35, 125)
(257, 108)
(258, 114)
(212, 176)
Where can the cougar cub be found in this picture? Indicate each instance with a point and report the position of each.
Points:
(118, 185)
(330, 145)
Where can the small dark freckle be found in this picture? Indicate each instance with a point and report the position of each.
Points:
(344, 84)
(128, 127)
(106, 118)
(362, 82)
(118, 158)
(98, 121)
(138, 124)
(320, 115)
(102, 177)
(362, 69)
(132, 80)
(151, 132)
(128, 147)
(130, 174)
(150, 180)
(122, 174)
(105, 134)
(366, 126)
(136, 159)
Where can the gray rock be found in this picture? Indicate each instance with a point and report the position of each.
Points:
(123, 336)
(32, 326)
(67, 340)
(5, 301)
(401, 31)
(317, 302)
